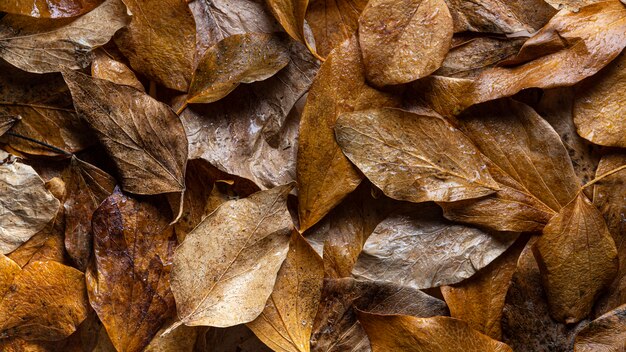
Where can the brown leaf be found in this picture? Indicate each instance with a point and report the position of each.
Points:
(106, 67)
(88, 186)
(252, 132)
(413, 157)
(45, 301)
(479, 300)
(224, 270)
(159, 42)
(416, 35)
(535, 172)
(7, 121)
(286, 322)
(26, 206)
(336, 327)
(576, 243)
(599, 107)
(420, 249)
(49, 8)
(607, 333)
(571, 5)
(497, 16)
(41, 46)
(325, 176)
(144, 137)
(406, 333)
(333, 21)
(129, 279)
(240, 58)
(181, 339)
(237, 338)
(290, 14)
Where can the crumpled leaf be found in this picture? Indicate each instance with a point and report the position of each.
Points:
(607, 333)
(160, 45)
(576, 243)
(252, 132)
(26, 206)
(336, 327)
(333, 21)
(416, 35)
(240, 58)
(479, 300)
(599, 107)
(413, 157)
(88, 186)
(407, 333)
(144, 137)
(498, 16)
(128, 284)
(325, 176)
(286, 322)
(106, 67)
(49, 8)
(44, 301)
(420, 249)
(225, 269)
(535, 173)
(41, 46)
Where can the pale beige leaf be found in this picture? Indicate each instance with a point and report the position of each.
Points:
(106, 67)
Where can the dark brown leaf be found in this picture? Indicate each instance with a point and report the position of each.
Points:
(49, 8)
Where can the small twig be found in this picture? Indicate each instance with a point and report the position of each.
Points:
(606, 174)
(51, 147)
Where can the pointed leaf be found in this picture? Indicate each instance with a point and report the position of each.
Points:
(607, 333)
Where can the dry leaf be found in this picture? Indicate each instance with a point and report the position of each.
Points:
(599, 107)
(333, 21)
(413, 157)
(88, 186)
(420, 249)
(479, 300)
(416, 35)
(406, 333)
(7, 121)
(234, 339)
(128, 283)
(144, 137)
(44, 301)
(576, 243)
(240, 58)
(41, 46)
(290, 14)
(181, 339)
(160, 40)
(607, 333)
(49, 8)
(325, 176)
(106, 67)
(336, 327)
(225, 269)
(286, 322)
(26, 205)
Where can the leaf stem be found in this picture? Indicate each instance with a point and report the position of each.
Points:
(606, 174)
(51, 147)
(183, 107)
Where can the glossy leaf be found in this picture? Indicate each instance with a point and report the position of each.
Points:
(49, 8)
(333, 21)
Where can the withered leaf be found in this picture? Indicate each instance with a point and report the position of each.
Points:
(44, 301)
(41, 46)
(336, 327)
(160, 42)
(413, 157)
(128, 283)
(237, 338)
(290, 14)
(48, 8)
(106, 67)
(416, 35)
(7, 121)
(599, 107)
(88, 186)
(8, 270)
(607, 333)
(479, 300)
(325, 176)
(576, 243)
(181, 339)
(240, 58)
(225, 269)
(407, 333)
(420, 249)
(144, 137)
(252, 132)
(333, 21)
(535, 172)
(26, 206)
(286, 322)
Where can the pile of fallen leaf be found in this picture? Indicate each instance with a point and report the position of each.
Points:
(332, 175)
